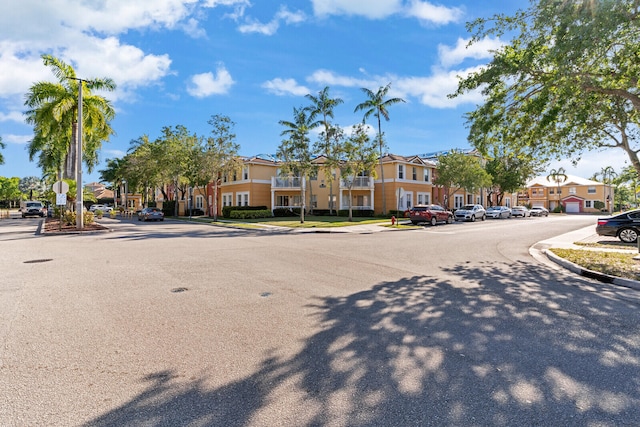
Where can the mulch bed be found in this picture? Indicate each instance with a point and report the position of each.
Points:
(52, 226)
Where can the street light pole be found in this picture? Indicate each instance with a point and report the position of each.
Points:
(79, 201)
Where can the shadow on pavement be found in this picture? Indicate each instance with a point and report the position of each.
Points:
(502, 344)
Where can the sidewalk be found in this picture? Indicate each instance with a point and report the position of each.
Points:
(568, 241)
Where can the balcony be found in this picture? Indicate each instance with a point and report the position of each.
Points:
(286, 183)
(359, 183)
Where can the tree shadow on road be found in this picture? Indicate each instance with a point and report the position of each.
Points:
(500, 344)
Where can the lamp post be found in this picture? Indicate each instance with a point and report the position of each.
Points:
(124, 197)
(79, 204)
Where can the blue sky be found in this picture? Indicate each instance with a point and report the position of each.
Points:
(178, 62)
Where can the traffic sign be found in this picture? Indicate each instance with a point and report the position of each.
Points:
(60, 187)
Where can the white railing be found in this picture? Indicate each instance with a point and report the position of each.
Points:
(285, 182)
(356, 208)
(358, 182)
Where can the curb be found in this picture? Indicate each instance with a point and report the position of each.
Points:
(605, 278)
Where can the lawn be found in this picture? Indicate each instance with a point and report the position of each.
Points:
(616, 264)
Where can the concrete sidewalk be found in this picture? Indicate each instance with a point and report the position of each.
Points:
(541, 252)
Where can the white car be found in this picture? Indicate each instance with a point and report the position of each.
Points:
(104, 208)
(498, 212)
(520, 211)
(470, 213)
(539, 211)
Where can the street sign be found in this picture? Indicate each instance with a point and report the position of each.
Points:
(60, 187)
(61, 199)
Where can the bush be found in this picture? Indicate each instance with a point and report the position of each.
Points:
(558, 209)
(286, 212)
(194, 212)
(250, 214)
(598, 204)
(357, 213)
(227, 209)
(325, 212)
(169, 207)
(69, 218)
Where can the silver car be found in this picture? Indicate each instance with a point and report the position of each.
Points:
(498, 212)
(520, 211)
(471, 213)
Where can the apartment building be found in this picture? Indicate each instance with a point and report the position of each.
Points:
(575, 194)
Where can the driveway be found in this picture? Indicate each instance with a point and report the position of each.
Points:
(176, 324)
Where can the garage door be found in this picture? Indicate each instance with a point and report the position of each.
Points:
(573, 207)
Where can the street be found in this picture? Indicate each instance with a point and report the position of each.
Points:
(180, 324)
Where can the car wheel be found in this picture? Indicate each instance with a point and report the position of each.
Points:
(628, 235)
(139, 219)
(450, 220)
(414, 222)
(434, 221)
(473, 218)
(483, 217)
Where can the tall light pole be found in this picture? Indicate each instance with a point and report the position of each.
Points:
(79, 201)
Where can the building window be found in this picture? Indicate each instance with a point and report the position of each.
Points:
(245, 173)
(591, 190)
(551, 191)
(400, 171)
(572, 190)
(227, 199)
(424, 198)
(588, 204)
(458, 201)
(199, 202)
(314, 201)
(282, 200)
(242, 199)
(426, 175)
(414, 173)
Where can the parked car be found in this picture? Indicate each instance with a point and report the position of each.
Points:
(31, 208)
(538, 211)
(150, 214)
(431, 214)
(104, 208)
(625, 226)
(498, 212)
(520, 211)
(470, 213)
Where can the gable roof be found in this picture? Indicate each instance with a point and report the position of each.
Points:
(571, 180)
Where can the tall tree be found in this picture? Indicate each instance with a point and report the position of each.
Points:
(377, 105)
(321, 108)
(221, 155)
(566, 83)
(10, 190)
(294, 152)
(358, 157)
(457, 171)
(608, 175)
(32, 186)
(558, 176)
(53, 112)
(113, 174)
(509, 170)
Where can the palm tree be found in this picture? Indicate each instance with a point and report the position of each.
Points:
(323, 106)
(53, 112)
(559, 176)
(377, 105)
(608, 174)
(113, 174)
(295, 152)
(2, 145)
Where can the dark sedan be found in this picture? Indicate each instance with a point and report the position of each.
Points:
(150, 214)
(625, 226)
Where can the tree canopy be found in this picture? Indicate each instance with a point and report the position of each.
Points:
(566, 83)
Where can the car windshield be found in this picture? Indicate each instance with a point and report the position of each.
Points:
(467, 207)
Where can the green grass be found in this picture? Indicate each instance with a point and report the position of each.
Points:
(616, 264)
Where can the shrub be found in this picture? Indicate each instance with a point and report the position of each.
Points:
(558, 209)
(250, 214)
(227, 209)
(598, 204)
(69, 218)
(286, 212)
(357, 213)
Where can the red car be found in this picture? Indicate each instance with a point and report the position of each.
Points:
(431, 214)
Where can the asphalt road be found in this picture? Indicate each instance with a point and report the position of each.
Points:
(175, 324)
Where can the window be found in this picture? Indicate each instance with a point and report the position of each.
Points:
(414, 175)
(588, 204)
(572, 190)
(282, 200)
(227, 199)
(551, 191)
(314, 200)
(591, 190)
(426, 175)
(332, 201)
(469, 199)
(242, 199)
(245, 173)
(424, 198)
(199, 202)
(458, 201)
(400, 171)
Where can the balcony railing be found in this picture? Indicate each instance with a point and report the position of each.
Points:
(358, 183)
(356, 208)
(289, 183)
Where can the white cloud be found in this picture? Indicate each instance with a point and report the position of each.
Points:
(329, 78)
(283, 87)
(380, 9)
(12, 116)
(480, 50)
(207, 84)
(592, 162)
(270, 28)
(16, 139)
(372, 9)
(428, 12)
